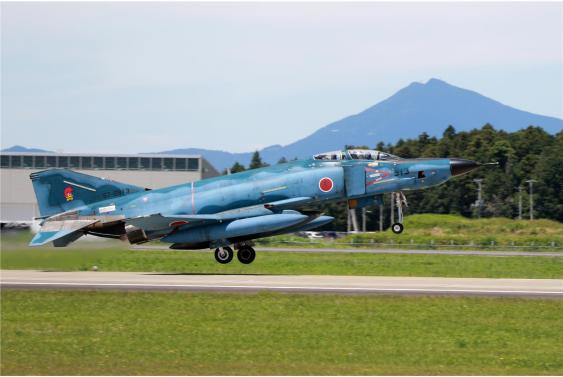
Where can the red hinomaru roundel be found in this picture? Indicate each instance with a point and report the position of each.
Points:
(68, 194)
(326, 184)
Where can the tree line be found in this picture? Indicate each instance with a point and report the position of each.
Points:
(527, 154)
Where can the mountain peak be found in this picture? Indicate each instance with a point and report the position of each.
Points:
(19, 148)
(434, 81)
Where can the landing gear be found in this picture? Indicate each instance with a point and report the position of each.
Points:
(224, 254)
(400, 199)
(246, 254)
(397, 228)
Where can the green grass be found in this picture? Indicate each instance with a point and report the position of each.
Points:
(450, 231)
(123, 259)
(180, 333)
(116, 256)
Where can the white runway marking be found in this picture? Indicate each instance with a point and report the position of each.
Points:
(287, 283)
(286, 288)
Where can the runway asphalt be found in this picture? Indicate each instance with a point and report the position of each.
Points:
(387, 251)
(282, 283)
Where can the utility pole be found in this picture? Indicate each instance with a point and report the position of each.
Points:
(531, 183)
(519, 202)
(479, 202)
(363, 220)
(381, 217)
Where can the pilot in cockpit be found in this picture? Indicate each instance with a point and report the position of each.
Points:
(355, 154)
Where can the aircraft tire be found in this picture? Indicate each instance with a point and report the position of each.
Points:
(246, 255)
(397, 228)
(224, 255)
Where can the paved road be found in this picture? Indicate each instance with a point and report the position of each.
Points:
(388, 251)
(282, 283)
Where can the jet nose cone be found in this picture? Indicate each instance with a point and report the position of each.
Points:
(459, 166)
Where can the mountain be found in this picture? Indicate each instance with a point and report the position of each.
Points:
(19, 148)
(417, 108)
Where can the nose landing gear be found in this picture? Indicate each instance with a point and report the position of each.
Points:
(400, 199)
(397, 228)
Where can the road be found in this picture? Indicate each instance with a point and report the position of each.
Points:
(282, 283)
(386, 251)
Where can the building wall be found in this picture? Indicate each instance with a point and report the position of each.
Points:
(18, 203)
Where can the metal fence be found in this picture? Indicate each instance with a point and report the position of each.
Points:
(553, 245)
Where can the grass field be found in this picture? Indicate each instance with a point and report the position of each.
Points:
(450, 231)
(88, 332)
(117, 256)
(122, 259)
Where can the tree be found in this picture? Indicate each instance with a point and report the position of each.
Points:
(449, 133)
(237, 168)
(256, 161)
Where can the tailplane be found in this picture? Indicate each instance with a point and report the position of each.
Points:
(60, 190)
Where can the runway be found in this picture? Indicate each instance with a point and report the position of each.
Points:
(282, 283)
(386, 251)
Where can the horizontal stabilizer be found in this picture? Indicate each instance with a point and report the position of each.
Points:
(61, 233)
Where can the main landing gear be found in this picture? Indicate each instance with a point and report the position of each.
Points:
(245, 254)
(400, 199)
(224, 254)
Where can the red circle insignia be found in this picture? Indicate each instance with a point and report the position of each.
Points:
(326, 184)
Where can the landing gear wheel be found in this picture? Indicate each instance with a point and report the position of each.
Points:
(397, 228)
(246, 254)
(224, 255)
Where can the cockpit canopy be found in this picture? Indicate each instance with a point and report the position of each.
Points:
(355, 154)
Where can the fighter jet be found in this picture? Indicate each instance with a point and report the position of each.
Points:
(232, 209)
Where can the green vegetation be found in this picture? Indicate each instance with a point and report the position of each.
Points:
(449, 231)
(134, 333)
(117, 257)
(422, 229)
(530, 153)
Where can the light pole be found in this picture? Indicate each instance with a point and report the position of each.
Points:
(531, 183)
(519, 202)
(479, 202)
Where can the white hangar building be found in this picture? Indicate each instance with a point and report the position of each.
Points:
(17, 198)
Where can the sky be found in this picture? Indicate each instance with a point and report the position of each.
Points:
(147, 77)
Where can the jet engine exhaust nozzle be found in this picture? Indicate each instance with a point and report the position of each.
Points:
(459, 166)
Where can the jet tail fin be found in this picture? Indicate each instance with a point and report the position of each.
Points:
(60, 190)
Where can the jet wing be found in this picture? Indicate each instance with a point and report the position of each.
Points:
(61, 233)
(159, 221)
